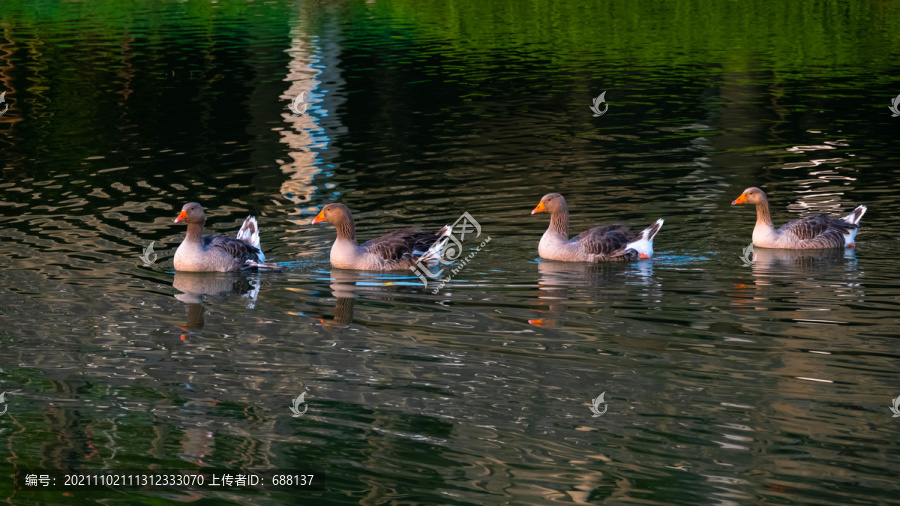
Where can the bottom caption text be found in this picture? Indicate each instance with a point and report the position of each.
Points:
(278, 479)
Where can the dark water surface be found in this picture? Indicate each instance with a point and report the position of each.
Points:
(724, 383)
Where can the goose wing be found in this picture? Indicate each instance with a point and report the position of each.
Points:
(400, 243)
(606, 240)
(235, 248)
(821, 230)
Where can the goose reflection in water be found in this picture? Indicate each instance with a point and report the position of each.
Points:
(194, 285)
(809, 274)
(809, 261)
(343, 289)
(593, 282)
(347, 285)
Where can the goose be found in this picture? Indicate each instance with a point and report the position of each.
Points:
(216, 253)
(397, 250)
(606, 242)
(811, 232)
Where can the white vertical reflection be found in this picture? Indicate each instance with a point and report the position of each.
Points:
(312, 61)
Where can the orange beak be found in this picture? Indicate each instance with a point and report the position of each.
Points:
(536, 323)
(540, 208)
(181, 216)
(319, 218)
(740, 200)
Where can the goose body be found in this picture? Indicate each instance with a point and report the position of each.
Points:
(397, 250)
(216, 253)
(812, 232)
(603, 243)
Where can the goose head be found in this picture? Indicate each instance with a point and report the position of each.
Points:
(752, 195)
(336, 214)
(551, 203)
(192, 212)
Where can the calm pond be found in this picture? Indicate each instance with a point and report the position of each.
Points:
(727, 378)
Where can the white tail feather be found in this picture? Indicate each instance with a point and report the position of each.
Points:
(249, 233)
(434, 252)
(644, 244)
(856, 215)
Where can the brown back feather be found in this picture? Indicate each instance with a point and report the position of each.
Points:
(238, 250)
(821, 230)
(399, 244)
(607, 240)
